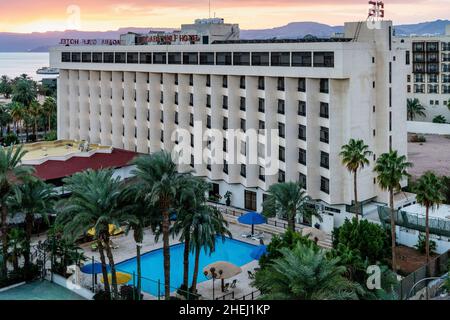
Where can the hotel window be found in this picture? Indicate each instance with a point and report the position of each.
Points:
(324, 59)
(242, 104)
(192, 140)
(302, 180)
(281, 130)
(176, 98)
(225, 167)
(161, 78)
(192, 161)
(324, 185)
(419, 78)
(174, 58)
(208, 81)
(433, 88)
(302, 108)
(191, 99)
(301, 59)
(225, 81)
(176, 117)
(282, 154)
(225, 145)
(324, 110)
(302, 156)
(419, 88)
(145, 57)
(250, 200)
(243, 171)
(324, 160)
(132, 57)
(223, 58)
(433, 78)
(260, 59)
(65, 57)
(76, 57)
(324, 86)
(280, 59)
(281, 176)
(191, 119)
(302, 132)
(86, 57)
(262, 175)
(261, 84)
(162, 116)
(119, 57)
(261, 105)
(244, 148)
(408, 57)
(161, 99)
(242, 82)
(159, 58)
(280, 84)
(208, 121)
(97, 57)
(208, 101)
(108, 57)
(206, 58)
(261, 125)
(162, 136)
(191, 80)
(241, 58)
(189, 58)
(243, 125)
(281, 106)
(225, 123)
(225, 102)
(324, 134)
(176, 79)
(301, 84)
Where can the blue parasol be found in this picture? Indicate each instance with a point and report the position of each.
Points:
(93, 268)
(258, 252)
(252, 218)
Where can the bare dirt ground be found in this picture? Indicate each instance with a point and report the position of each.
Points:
(434, 155)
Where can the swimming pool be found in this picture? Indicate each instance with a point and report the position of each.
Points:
(39, 290)
(230, 250)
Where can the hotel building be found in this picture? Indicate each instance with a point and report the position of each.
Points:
(318, 93)
(428, 77)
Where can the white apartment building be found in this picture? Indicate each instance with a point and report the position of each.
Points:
(318, 93)
(428, 77)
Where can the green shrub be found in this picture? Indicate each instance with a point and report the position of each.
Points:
(439, 119)
(10, 139)
(130, 293)
(421, 244)
(51, 136)
(287, 240)
(370, 239)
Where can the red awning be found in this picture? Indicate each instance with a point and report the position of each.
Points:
(52, 169)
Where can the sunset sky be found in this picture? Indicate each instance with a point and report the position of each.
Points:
(58, 15)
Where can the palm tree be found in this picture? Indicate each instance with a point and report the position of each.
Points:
(17, 111)
(17, 245)
(391, 169)
(429, 193)
(192, 196)
(34, 197)
(11, 174)
(24, 91)
(288, 200)
(158, 179)
(355, 156)
(414, 108)
(49, 109)
(35, 111)
(207, 223)
(305, 273)
(95, 202)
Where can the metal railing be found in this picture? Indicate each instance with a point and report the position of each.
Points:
(435, 268)
(232, 296)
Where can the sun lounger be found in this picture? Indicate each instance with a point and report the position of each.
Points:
(251, 275)
(226, 287)
(258, 236)
(233, 284)
(246, 235)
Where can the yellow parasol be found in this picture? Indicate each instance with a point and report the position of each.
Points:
(113, 230)
(122, 278)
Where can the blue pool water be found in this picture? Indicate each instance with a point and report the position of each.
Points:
(230, 250)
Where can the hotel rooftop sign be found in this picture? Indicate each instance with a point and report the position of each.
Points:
(89, 42)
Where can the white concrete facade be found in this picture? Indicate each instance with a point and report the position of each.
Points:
(137, 106)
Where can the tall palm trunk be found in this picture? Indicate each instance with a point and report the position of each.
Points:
(196, 265)
(166, 249)
(355, 189)
(49, 122)
(139, 271)
(4, 238)
(427, 234)
(291, 221)
(28, 232)
(112, 268)
(101, 251)
(393, 248)
(187, 241)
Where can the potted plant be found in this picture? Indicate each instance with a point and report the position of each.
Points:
(227, 197)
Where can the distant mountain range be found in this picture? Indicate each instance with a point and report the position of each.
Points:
(40, 42)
